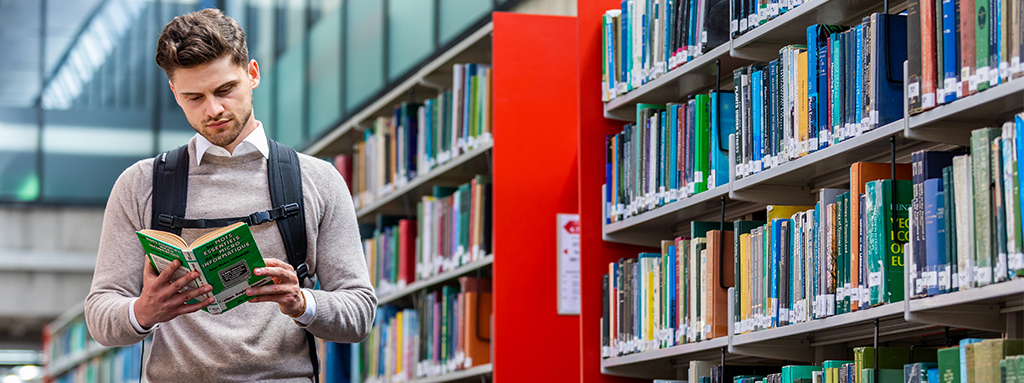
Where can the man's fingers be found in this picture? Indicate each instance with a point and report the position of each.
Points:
(274, 262)
(270, 290)
(192, 294)
(278, 298)
(191, 308)
(180, 283)
(168, 273)
(278, 272)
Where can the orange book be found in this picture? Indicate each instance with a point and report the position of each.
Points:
(719, 280)
(476, 327)
(860, 174)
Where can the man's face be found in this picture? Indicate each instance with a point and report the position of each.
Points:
(217, 99)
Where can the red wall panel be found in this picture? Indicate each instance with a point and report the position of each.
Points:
(535, 175)
(595, 253)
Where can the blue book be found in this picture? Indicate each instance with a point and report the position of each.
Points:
(723, 121)
(835, 99)
(822, 36)
(691, 49)
(757, 88)
(859, 82)
(889, 53)
(667, 32)
(963, 357)
(934, 235)
(933, 375)
(627, 54)
(773, 109)
(816, 266)
(812, 86)
(673, 156)
(950, 48)
(670, 286)
(775, 248)
(609, 52)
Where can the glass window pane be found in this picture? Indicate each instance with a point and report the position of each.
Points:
(259, 33)
(364, 35)
(411, 24)
(291, 97)
(18, 178)
(325, 73)
(457, 15)
(293, 22)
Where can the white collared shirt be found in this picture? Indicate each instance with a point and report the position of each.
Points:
(255, 141)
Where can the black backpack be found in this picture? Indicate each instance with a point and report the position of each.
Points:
(170, 192)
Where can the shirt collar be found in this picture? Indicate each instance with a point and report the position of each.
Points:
(255, 141)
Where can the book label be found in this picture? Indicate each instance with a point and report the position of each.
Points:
(1004, 69)
(734, 26)
(784, 315)
(1015, 64)
(983, 274)
(743, 23)
(830, 304)
(930, 279)
(963, 279)
(944, 278)
(928, 100)
(1001, 266)
(983, 75)
(993, 75)
(954, 280)
(914, 89)
(875, 279)
(1016, 261)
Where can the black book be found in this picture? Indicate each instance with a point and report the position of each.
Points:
(914, 55)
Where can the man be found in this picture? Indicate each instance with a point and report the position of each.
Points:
(206, 61)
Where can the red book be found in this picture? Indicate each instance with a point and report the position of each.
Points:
(928, 67)
(968, 52)
(406, 251)
(343, 163)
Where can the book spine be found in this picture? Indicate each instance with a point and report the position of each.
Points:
(949, 270)
(982, 38)
(858, 83)
(914, 45)
(963, 184)
(998, 211)
(934, 229)
(981, 164)
(190, 259)
(950, 50)
(928, 55)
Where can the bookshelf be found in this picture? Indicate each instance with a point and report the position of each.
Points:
(533, 178)
(987, 311)
(71, 354)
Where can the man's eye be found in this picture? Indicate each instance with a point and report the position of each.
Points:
(224, 91)
(194, 98)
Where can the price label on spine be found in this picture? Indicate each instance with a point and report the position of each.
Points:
(875, 279)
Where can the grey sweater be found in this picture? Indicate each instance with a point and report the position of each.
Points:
(255, 341)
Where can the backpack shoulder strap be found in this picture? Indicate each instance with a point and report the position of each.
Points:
(170, 188)
(285, 179)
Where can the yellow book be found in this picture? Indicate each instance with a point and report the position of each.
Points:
(398, 343)
(802, 103)
(782, 211)
(745, 281)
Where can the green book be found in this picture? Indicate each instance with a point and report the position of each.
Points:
(890, 358)
(981, 26)
(701, 159)
(887, 230)
(917, 372)
(984, 225)
(464, 199)
(1008, 370)
(843, 264)
(949, 224)
(791, 374)
(1020, 368)
(949, 365)
(225, 259)
(992, 351)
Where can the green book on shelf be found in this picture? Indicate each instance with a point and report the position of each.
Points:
(225, 258)
(884, 375)
(791, 374)
(981, 42)
(990, 353)
(701, 159)
(890, 358)
(984, 219)
(949, 365)
(832, 370)
(887, 230)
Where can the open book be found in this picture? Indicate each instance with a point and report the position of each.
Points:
(225, 259)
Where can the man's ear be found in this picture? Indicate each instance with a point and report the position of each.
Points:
(254, 74)
(171, 84)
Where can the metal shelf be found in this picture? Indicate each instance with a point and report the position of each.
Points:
(793, 182)
(763, 43)
(457, 376)
(436, 280)
(662, 363)
(694, 76)
(434, 75)
(458, 170)
(953, 122)
(649, 228)
(978, 308)
(69, 361)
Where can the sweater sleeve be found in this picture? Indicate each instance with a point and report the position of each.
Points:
(118, 276)
(346, 301)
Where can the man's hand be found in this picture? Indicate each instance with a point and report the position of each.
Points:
(160, 300)
(285, 290)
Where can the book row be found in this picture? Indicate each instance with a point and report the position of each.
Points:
(645, 39)
(965, 219)
(116, 365)
(672, 152)
(844, 82)
(72, 338)
(447, 330)
(419, 137)
(961, 47)
(452, 228)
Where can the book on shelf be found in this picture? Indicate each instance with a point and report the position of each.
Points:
(72, 355)
(839, 85)
(226, 259)
(446, 330)
(963, 47)
(672, 152)
(645, 39)
(420, 136)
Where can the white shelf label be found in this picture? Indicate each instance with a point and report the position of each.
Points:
(983, 274)
(930, 279)
(734, 26)
(875, 279)
(913, 90)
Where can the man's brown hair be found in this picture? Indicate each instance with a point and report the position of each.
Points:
(200, 37)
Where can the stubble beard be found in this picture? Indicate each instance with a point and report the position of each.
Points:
(230, 135)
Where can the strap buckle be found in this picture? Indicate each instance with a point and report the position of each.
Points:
(302, 272)
(259, 217)
(289, 209)
(166, 220)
